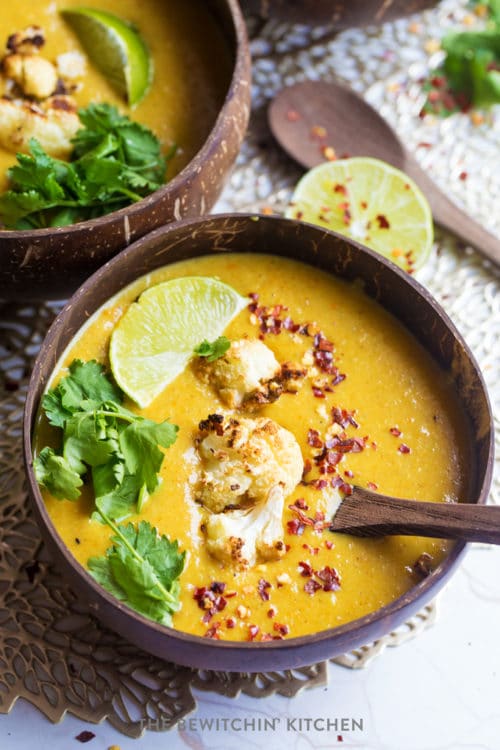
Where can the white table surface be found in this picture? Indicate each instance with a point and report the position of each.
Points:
(440, 691)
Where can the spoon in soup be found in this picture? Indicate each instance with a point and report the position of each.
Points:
(366, 513)
(354, 128)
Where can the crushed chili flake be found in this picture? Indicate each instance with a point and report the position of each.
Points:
(311, 586)
(230, 623)
(395, 431)
(339, 188)
(313, 439)
(213, 632)
(403, 448)
(280, 628)
(262, 589)
(295, 527)
(271, 612)
(383, 222)
(329, 545)
(343, 417)
(372, 485)
(292, 115)
(305, 568)
(330, 578)
(422, 567)
(348, 473)
(312, 550)
(462, 176)
(253, 631)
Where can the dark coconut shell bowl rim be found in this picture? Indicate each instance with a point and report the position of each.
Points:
(192, 167)
(348, 259)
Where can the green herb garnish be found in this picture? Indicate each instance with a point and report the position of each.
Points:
(212, 350)
(115, 162)
(141, 569)
(470, 73)
(103, 441)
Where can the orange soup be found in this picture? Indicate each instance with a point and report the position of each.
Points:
(378, 412)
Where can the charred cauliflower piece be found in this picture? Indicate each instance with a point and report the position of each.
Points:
(35, 76)
(249, 466)
(248, 375)
(26, 42)
(244, 459)
(53, 125)
(239, 537)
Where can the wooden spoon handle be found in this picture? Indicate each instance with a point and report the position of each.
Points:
(447, 214)
(379, 515)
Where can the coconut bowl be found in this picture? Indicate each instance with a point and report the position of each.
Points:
(51, 263)
(341, 14)
(397, 292)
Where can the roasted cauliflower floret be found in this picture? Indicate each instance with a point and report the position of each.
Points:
(53, 125)
(239, 537)
(26, 42)
(244, 459)
(35, 76)
(248, 375)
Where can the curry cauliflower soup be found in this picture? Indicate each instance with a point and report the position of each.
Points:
(174, 60)
(208, 507)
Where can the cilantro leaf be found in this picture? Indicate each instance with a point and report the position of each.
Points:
(85, 386)
(214, 349)
(116, 448)
(141, 569)
(114, 162)
(54, 473)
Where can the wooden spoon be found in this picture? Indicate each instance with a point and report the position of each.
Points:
(353, 128)
(366, 513)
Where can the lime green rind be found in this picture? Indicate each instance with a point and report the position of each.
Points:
(116, 48)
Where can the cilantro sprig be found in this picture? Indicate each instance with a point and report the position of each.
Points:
(114, 162)
(101, 441)
(212, 350)
(470, 73)
(142, 569)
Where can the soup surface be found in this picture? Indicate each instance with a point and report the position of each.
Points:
(192, 66)
(399, 417)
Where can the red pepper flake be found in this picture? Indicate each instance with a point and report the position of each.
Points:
(253, 631)
(395, 431)
(313, 439)
(281, 629)
(262, 589)
(230, 623)
(292, 115)
(311, 586)
(372, 485)
(348, 473)
(213, 632)
(210, 599)
(339, 188)
(364, 205)
(462, 176)
(329, 545)
(271, 612)
(85, 736)
(312, 550)
(383, 222)
(295, 527)
(305, 569)
(317, 392)
(329, 577)
(343, 417)
(403, 448)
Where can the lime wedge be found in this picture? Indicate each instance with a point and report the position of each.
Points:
(371, 202)
(153, 342)
(116, 48)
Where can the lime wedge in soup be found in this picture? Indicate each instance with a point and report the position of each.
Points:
(154, 340)
(116, 48)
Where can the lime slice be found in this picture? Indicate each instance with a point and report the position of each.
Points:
(371, 202)
(154, 340)
(116, 48)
